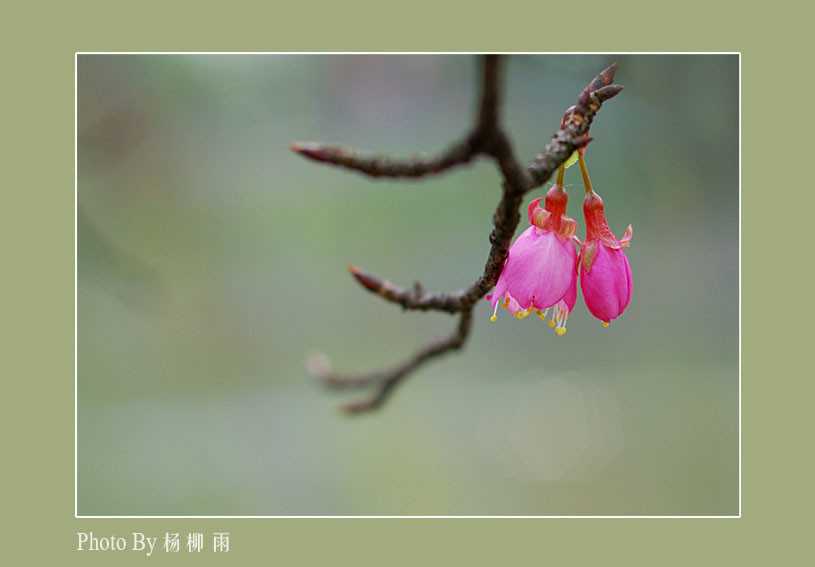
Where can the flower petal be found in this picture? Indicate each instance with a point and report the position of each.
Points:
(570, 298)
(588, 252)
(539, 270)
(607, 286)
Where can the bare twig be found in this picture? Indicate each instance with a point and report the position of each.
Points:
(488, 138)
(416, 298)
(376, 165)
(575, 127)
(384, 381)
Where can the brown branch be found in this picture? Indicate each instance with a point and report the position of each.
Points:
(378, 165)
(487, 138)
(416, 298)
(575, 126)
(384, 381)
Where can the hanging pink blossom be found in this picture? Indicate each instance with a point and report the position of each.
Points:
(605, 274)
(540, 270)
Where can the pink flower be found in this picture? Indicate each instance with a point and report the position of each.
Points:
(605, 274)
(541, 269)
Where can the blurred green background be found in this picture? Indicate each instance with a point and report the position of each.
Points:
(211, 260)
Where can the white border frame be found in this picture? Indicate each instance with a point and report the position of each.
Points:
(76, 265)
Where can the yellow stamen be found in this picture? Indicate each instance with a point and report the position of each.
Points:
(538, 312)
(493, 318)
(494, 311)
(605, 323)
(552, 323)
(506, 302)
(560, 331)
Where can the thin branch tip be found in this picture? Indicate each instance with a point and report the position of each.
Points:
(608, 92)
(369, 282)
(354, 408)
(303, 147)
(604, 77)
(318, 365)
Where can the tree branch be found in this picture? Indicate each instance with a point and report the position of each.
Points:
(416, 298)
(384, 381)
(573, 132)
(488, 138)
(377, 165)
(480, 137)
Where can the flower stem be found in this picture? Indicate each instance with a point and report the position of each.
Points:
(584, 171)
(560, 176)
